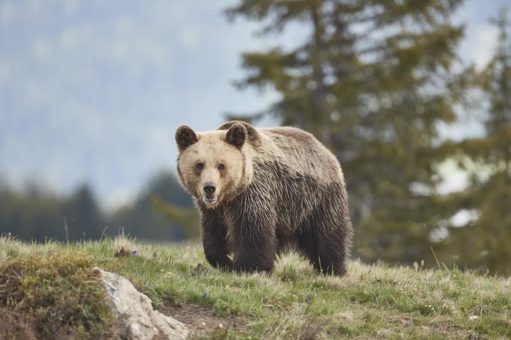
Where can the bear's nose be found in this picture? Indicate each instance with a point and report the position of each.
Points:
(209, 189)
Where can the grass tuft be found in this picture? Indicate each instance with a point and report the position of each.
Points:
(123, 246)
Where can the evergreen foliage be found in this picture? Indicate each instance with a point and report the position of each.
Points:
(484, 240)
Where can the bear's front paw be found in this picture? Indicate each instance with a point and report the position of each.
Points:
(251, 267)
(220, 262)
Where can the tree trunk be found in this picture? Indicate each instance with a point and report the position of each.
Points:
(320, 119)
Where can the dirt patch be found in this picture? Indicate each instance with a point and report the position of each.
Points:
(201, 320)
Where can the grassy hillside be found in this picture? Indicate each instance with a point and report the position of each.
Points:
(293, 302)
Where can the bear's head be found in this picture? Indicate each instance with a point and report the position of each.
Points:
(214, 166)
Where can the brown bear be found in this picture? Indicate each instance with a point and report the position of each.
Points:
(261, 190)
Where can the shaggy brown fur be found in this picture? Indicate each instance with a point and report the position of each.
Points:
(272, 188)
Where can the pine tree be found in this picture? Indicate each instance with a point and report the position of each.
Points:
(484, 241)
(372, 80)
(82, 217)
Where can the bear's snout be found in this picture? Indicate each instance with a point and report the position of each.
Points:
(209, 196)
(209, 189)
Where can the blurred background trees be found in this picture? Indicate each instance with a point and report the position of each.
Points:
(483, 241)
(38, 214)
(379, 82)
(144, 219)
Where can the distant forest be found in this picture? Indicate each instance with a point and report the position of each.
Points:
(38, 214)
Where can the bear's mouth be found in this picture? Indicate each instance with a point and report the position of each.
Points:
(210, 200)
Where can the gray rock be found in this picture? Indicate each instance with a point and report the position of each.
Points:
(137, 319)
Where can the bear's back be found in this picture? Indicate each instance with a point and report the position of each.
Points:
(302, 152)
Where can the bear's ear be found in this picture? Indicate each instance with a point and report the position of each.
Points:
(185, 137)
(253, 135)
(236, 135)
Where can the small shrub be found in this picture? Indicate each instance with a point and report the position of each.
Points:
(48, 297)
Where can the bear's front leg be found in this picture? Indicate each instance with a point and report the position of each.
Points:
(255, 255)
(256, 244)
(214, 239)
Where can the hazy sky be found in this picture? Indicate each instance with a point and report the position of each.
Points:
(92, 91)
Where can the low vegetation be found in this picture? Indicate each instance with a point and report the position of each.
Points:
(51, 296)
(50, 289)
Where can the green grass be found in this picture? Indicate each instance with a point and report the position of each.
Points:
(294, 301)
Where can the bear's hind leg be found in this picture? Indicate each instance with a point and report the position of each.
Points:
(325, 249)
(326, 237)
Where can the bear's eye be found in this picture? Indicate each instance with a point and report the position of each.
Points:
(199, 166)
(221, 167)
